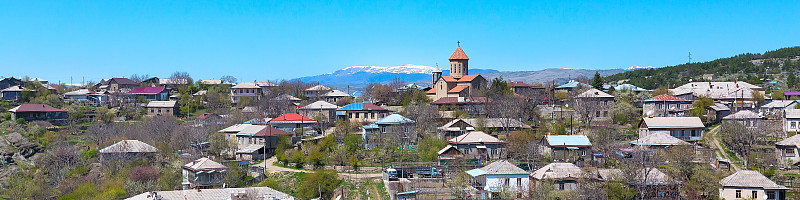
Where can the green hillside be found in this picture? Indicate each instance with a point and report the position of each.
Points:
(738, 68)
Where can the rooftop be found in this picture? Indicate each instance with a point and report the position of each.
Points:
(361, 106)
(204, 164)
(673, 122)
(146, 90)
(475, 137)
(35, 108)
(658, 139)
(750, 178)
(265, 193)
(557, 171)
(162, 104)
(459, 54)
(666, 97)
(129, 146)
(568, 140)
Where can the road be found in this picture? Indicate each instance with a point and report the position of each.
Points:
(269, 165)
(720, 152)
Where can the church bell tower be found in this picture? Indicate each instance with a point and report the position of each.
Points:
(459, 63)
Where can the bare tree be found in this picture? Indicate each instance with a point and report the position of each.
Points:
(228, 79)
(182, 75)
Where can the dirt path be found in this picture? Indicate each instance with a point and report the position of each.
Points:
(720, 151)
(269, 165)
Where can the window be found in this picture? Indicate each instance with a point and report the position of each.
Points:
(357, 114)
(660, 106)
(738, 193)
(794, 125)
(755, 194)
(159, 110)
(770, 195)
(583, 152)
(383, 129)
(561, 186)
(349, 115)
(597, 114)
(694, 133)
(506, 180)
(605, 113)
(519, 183)
(373, 115)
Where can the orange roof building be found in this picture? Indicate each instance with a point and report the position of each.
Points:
(459, 83)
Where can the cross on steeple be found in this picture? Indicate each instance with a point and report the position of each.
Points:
(459, 43)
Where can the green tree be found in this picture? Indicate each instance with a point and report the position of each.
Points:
(618, 190)
(777, 95)
(319, 181)
(791, 80)
(353, 143)
(429, 148)
(597, 81)
(699, 106)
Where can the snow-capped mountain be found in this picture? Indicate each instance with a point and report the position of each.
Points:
(635, 67)
(399, 69)
(378, 74)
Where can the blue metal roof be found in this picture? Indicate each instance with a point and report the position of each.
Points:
(394, 119)
(475, 172)
(570, 84)
(569, 140)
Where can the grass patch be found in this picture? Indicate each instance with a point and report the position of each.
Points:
(284, 166)
(730, 153)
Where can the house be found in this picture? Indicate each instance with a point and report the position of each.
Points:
(526, 90)
(285, 97)
(716, 112)
(206, 119)
(293, 122)
(750, 184)
(172, 84)
(264, 193)
(688, 129)
(459, 83)
(231, 131)
(35, 112)
(666, 106)
(572, 86)
(564, 176)
(655, 184)
(256, 142)
(252, 90)
(497, 177)
(10, 81)
(320, 109)
(150, 93)
(394, 128)
(203, 173)
(477, 144)
(361, 112)
(567, 147)
(165, 108)
(791, 120)
(13, 93)
(474, 106)
(316, 91)
(449, 153)
(791, 95)
(658, 140)
(117, 85)
(334, 96)
(85, 96)
(739, 93)
(128, 150)
(788, 150)
(775, 107)
(602, 103)
(747, 118)
(461, 126)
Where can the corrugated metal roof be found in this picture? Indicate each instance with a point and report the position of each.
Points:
(568, 140)
(673, 122)
(394, 119)
(129, 146)
(658, 139)
(162, 104)
(750, 178)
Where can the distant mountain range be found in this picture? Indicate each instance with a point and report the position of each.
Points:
(420, 74)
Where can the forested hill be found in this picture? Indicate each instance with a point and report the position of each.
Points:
(739, 68)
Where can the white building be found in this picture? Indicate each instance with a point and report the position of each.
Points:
(497, 177)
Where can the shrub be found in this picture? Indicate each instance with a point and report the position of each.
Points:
(144, 173)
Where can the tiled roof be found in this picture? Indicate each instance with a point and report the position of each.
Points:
(568, 140)
(431, 91)
(35, 108)
(318, 88)
(751, 179)
(460, 100)
(129, 146)
(557, 171)
(792, 113)
(673, 122)
(518, 84)
(361, 106)
(791, 141)
(459, 55)
(162, 104)
(449, 79)
(658, 139)
(458, 89)
(468, 78)
(744, 114)
(666, 97)
(475, 137)
(146, 90)
(291, 117)
(204, 164)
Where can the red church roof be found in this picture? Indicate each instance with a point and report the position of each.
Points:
(459, 55)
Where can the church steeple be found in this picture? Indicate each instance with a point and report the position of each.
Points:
(459, 63)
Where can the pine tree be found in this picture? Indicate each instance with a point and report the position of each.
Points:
(597, 81)
(791, 81)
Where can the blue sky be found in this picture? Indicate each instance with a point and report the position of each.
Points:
(268, 40)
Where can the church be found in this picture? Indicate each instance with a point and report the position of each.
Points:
(460, 83)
